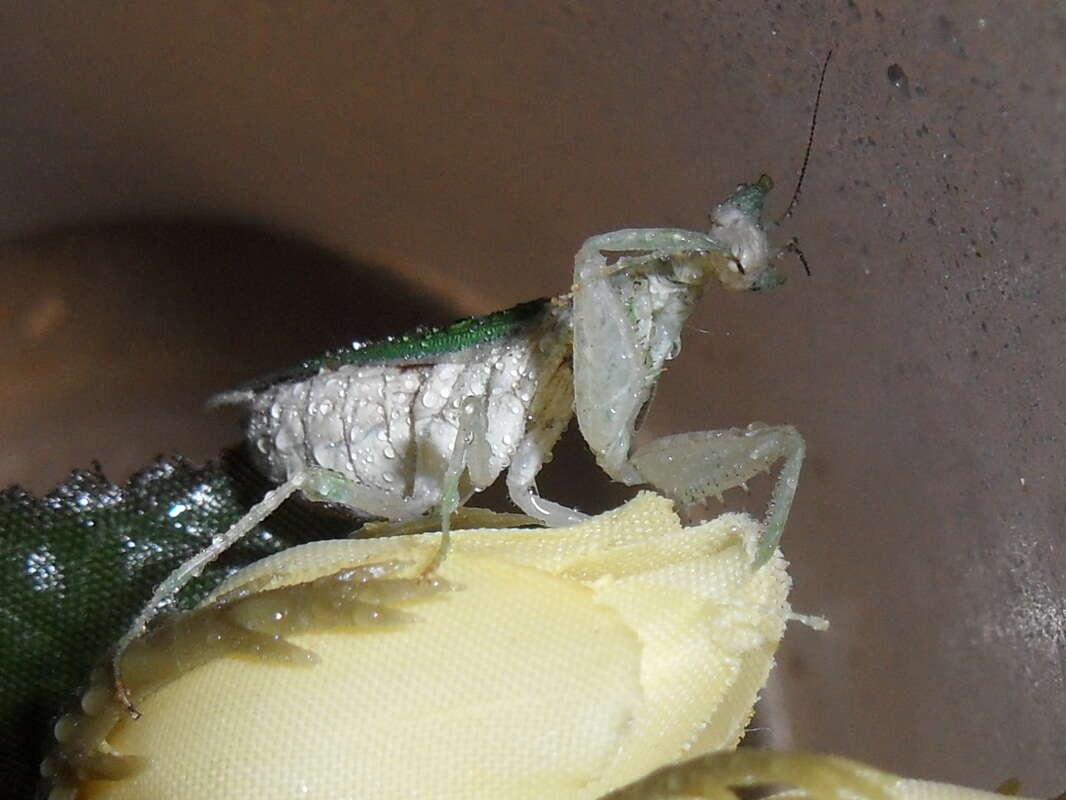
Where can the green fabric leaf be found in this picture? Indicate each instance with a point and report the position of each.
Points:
(77, 565)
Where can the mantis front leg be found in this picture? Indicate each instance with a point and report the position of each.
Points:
(692, 467)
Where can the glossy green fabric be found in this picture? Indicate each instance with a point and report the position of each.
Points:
(77, 564)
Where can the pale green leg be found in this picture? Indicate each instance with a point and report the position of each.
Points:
(449, 495)
(316, 483)
(551, 419)
(192, 568)
(590, 260)
(692, 467)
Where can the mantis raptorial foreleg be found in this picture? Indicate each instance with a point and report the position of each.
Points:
(693, 467)
(633, 291)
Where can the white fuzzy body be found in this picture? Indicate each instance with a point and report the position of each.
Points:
(391, 429)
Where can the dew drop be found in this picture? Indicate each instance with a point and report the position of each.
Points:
(323, 453)
(284, 440)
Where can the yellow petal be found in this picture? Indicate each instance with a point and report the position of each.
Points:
(565, 663)
(811, 775)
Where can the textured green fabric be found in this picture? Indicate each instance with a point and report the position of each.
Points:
(77, 564)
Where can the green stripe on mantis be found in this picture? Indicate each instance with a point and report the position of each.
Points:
(419, 345)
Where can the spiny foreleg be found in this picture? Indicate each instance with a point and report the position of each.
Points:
(692, 467)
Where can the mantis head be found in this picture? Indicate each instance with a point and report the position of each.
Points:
(736, 225)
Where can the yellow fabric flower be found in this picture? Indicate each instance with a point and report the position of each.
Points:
(617, 659)
(714, 776)
(564, 663)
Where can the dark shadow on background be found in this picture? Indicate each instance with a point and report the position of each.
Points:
(118, 333)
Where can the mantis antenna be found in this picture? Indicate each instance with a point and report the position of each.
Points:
(807, 156)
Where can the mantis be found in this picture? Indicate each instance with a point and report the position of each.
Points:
(417, 424)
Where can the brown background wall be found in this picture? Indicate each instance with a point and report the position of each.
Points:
(444, 159)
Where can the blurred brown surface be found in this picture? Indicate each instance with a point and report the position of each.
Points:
(117, 335)
(471, 147)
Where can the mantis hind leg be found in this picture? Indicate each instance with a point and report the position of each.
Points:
(317, 484)
(190, 569)
(692, 467)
